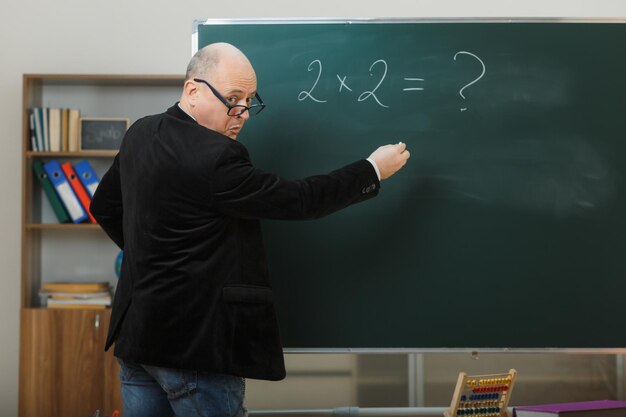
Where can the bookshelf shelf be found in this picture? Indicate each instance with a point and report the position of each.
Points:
(81, 154)
(106, 310)
(56, 226)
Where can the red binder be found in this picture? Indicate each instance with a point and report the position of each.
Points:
(78, 188)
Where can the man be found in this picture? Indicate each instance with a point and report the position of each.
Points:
(193, 312)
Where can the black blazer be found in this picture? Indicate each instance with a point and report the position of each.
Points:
(183, 202)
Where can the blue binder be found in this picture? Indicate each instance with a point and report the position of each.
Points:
(65, 192)
(87, 176)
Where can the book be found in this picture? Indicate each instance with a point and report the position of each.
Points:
(54, 120)
(602, 408)
(73, 127)
(45, 123)
(92, 297)
(75, 295)
(64, 129)
(33, 133)
(91, 301)
(100, 302)
(37, 112)
(79, 306)
(74, 287)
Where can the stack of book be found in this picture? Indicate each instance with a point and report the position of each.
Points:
(69, 188)
(54, 129)
(89, 295)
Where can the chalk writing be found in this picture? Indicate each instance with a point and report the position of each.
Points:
(342, 82)
(476, 79)
(413, 88)
(367, 94)
(304, 94)
(414, 83)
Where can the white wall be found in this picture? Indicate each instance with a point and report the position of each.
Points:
(146, 37)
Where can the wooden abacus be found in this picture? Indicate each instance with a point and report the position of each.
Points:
(482, 395)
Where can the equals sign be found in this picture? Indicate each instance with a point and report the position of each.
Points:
(413, 88)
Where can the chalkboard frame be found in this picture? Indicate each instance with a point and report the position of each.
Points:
(418, 350)
(360, 20)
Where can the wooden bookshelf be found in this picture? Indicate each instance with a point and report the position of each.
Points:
(52, 340)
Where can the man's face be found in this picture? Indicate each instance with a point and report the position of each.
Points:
(235, 80)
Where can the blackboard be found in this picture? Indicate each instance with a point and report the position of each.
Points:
(98, 133)
(507, 229)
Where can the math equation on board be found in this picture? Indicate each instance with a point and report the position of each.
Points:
(380, 67)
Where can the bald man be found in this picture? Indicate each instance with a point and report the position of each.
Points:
(193, 313)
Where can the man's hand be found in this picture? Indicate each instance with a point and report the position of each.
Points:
(390, 158)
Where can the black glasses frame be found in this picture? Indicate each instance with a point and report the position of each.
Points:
(235, 109)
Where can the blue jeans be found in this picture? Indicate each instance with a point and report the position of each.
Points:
(151, 391)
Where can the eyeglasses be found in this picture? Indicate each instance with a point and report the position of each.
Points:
(237, 109)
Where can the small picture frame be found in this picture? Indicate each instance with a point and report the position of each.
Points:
(102, 133)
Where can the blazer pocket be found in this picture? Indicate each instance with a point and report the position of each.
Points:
(248, 294)
(251, 335)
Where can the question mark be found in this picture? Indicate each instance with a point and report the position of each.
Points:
(475, 80)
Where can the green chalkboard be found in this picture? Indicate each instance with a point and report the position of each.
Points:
(507, 229)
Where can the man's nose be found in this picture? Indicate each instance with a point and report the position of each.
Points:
(245, 115)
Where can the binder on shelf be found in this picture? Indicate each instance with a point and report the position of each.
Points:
(64, 191)
(54, 117)
(78, 188)
(87, 176)
(53, 198)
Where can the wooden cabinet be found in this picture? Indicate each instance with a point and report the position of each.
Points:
(64, 370)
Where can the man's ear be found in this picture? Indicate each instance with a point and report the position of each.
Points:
(191, 91)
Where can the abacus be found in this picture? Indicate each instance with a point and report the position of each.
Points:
(482, 395)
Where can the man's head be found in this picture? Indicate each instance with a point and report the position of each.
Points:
(228, 70)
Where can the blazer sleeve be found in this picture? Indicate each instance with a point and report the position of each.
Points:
(241, 190)
(106, 204)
